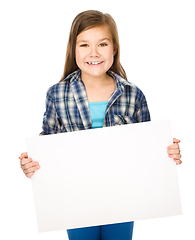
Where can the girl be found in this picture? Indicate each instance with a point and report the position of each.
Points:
(92, 93)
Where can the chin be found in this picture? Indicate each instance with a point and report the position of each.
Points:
(95, 74)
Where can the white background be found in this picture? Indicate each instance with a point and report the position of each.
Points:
(157, 51)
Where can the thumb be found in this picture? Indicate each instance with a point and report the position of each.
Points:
(175, 140)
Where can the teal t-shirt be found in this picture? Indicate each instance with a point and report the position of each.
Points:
(97, 113)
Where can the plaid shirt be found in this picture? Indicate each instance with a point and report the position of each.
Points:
(67, 105)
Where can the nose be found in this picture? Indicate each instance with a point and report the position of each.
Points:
(94, 52)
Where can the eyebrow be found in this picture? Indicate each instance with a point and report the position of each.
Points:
(99, 40)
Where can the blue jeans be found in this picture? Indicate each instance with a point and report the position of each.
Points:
(119, 231)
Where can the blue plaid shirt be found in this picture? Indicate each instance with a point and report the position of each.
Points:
(67, 105)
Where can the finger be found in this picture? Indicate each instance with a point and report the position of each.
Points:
(30, 170)
(175, 156)
(29, 175)
(175, 145)
(178, 162)
(24, 161)
(23, 155)
(30, 165)
(173, 151)
(175, 140)
(34, 165)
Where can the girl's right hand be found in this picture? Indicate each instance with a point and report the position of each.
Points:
(28, 165)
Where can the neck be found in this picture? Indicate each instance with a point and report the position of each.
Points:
(94, 81)
(98, 88)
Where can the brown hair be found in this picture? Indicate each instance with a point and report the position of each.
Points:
(84, 21)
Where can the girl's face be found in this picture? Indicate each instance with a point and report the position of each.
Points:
(95, 51)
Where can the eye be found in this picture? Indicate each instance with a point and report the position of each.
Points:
(84, 45)
(103, 44)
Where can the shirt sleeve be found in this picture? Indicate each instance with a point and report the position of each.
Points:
(51, 123)
(142, 113)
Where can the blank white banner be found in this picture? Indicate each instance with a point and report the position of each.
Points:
(103, 176)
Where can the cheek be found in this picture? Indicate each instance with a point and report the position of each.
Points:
(110, 56)
(78, 58)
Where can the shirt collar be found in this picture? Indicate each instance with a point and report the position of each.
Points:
(120, 82)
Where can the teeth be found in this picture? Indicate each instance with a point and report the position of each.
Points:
(93, 63)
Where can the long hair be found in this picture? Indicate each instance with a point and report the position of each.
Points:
(84, 21)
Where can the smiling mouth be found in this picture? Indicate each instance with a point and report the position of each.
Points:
(94, 63)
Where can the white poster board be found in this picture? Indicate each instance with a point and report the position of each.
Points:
(103, 176)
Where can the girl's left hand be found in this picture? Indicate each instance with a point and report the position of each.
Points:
(174, 151)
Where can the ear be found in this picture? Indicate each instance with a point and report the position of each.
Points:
(115, 50)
